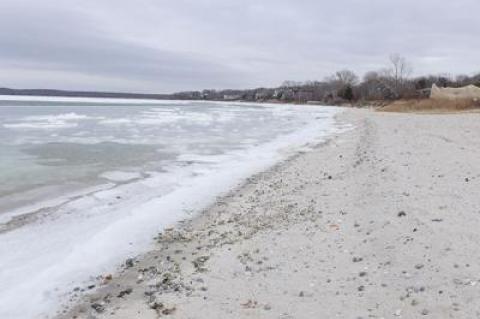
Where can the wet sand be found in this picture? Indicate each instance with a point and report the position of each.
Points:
(381, 221)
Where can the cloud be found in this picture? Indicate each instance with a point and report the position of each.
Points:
(164, 46)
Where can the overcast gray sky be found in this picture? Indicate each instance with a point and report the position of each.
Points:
(164, 46)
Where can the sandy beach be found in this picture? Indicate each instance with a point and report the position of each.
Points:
(380, 221)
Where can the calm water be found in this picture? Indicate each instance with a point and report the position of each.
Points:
(85, 183)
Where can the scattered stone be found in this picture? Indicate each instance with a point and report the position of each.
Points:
(162, 308)
(168, 310)
(418, 266)
(156, 305)
(357, 259)
(425, 312)
(129, 262)
(250, 304)
(125, 292)
(199, 263)
(362, 274)
(98, 307)
(402, 214)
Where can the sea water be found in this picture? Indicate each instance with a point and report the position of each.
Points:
(86, 183)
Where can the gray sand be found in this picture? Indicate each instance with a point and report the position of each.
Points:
(382, 221)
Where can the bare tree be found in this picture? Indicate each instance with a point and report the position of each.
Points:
(346, 77)
(400, 71)
(342, 83)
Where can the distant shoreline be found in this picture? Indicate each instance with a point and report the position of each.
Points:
(90, 94)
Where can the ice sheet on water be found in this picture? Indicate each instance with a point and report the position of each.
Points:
(48, 122)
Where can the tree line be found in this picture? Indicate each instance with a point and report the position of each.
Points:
(393, 82)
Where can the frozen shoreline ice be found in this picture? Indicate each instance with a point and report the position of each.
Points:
(92, 234)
